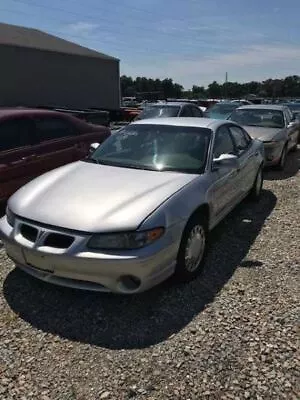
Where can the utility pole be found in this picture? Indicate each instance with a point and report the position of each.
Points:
(225, 85)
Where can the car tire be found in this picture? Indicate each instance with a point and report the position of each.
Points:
(192, 249)
(256, 190)
(282, 161)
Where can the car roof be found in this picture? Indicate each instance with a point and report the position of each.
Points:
(19, 112)
(171, 103)
(221, 103)
(208, 123)
(263, 107)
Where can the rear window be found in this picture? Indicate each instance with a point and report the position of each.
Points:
(50, 128)
(159, 112)
(15, 133)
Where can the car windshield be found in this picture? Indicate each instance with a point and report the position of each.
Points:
(156, 147)
(266, 118)
(161, 111)
(223, 109)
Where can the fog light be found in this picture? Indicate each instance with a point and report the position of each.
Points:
(130, 282)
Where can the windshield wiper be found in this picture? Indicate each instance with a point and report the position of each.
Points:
(91, 160)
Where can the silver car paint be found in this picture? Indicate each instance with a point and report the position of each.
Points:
(266, 134)
(98, 198)
(281, 137)
(70, 199)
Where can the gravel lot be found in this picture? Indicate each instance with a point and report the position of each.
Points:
(231, 334)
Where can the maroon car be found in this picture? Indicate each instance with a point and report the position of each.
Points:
(35, 141)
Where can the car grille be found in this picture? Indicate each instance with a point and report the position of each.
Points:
(46, 237)
(29, 232)
(59, 241)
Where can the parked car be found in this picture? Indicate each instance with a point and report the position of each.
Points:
(295, 109)
(242, 102)
(139, 208)
(274, 126)
(35, 141)
(170, 109)
(221, 110)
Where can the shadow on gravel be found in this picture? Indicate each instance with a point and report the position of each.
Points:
(291, 168)
(128, 322)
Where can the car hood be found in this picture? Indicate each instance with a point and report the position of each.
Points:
(96, 198)
(264, 134)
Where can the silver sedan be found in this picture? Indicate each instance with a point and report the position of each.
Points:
(274, 126)
(138, 209)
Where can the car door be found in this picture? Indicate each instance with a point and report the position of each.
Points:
(58, 142)
(247, 165)
(291, 128)
(17, 154)
(224, 191)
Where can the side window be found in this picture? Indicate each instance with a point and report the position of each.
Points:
(186, 112)
(197, 112)
(50, 128)
(223, 143)
(239, 137)
(16, 133)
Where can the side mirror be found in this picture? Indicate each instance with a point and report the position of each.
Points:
(230, 160)
(94, 147)
(291, 124)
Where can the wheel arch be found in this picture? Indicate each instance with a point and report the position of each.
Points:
(203, 210)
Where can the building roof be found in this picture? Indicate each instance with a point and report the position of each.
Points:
(12, 35)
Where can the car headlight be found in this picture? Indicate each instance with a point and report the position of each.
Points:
(10, 217)
(124, 241)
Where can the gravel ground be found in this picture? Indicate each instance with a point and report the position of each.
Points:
(231, 334)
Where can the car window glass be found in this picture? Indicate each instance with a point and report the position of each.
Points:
(50, 128)
(223, 143)
(239, 138)
(156, 147)
(196, 112)
(15, 133)
(186, 112)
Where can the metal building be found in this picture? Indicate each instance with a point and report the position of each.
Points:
(38, 69)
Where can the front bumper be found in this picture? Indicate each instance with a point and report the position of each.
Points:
(124, 272)
(273, 152)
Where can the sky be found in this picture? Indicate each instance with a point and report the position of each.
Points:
(194, 42)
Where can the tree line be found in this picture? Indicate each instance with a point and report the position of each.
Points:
(166, 88)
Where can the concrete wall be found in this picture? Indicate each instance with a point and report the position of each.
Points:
(33, 77)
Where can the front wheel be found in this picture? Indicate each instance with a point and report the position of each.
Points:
(255, 192)
(192, 251)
